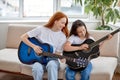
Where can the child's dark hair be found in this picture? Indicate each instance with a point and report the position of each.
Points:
(75, 25)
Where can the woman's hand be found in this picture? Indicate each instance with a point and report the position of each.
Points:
(63, 60)
(37, 49)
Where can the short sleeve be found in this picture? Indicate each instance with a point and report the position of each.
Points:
(90, 37)
(71, 39)
(61, 42)
(34, 32)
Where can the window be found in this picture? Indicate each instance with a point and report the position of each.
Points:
(38, 8)
(9, 8)
(71, 8)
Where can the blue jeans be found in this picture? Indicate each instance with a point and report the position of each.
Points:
(85, 74)
(51, 67)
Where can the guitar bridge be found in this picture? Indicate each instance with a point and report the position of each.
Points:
(76, 54)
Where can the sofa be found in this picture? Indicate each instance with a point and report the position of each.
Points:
(103, 66)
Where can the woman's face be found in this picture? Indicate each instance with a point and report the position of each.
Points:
(60, 23)
(81, 31)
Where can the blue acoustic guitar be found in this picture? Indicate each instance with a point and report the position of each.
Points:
(28, 56)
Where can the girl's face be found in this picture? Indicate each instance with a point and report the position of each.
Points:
(81, 31)
(60, 23)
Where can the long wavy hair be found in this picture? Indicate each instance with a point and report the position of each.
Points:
(57, 16)
(75, 25)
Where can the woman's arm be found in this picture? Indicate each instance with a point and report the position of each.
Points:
(25, 39)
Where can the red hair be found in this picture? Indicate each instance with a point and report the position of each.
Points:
(57, 16)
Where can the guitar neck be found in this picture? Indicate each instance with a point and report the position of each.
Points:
(104, 38)
(57, 56)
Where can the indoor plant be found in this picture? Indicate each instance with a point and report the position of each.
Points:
(104, 9)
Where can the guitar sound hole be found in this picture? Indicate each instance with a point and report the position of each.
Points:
(87, 51)
(29, 50)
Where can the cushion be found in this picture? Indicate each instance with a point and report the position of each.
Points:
(103, 68)
(13, 41)
(9, 60)
(107, 49)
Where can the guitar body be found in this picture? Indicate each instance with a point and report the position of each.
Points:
(28, 56)
(82, 54)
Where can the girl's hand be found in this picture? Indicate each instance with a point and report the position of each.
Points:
(109, 36)
(37, 49)
(84, 47)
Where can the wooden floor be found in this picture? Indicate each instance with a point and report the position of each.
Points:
(116, 76)
(8, 76)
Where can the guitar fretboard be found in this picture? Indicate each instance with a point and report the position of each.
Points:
(102, 39)
(57, 56)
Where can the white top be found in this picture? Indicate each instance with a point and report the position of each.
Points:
(76, 40)
(46, 35)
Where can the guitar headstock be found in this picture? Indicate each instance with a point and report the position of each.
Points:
(119, 29)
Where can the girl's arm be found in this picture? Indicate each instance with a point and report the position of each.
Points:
(109, 37)
(68, 47)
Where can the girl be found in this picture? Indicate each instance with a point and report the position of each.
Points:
(78, 35)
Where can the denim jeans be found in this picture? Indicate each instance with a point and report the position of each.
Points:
(51, 67)
(85, 74)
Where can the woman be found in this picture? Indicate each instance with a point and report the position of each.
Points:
(53, 33)
(78, 35)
